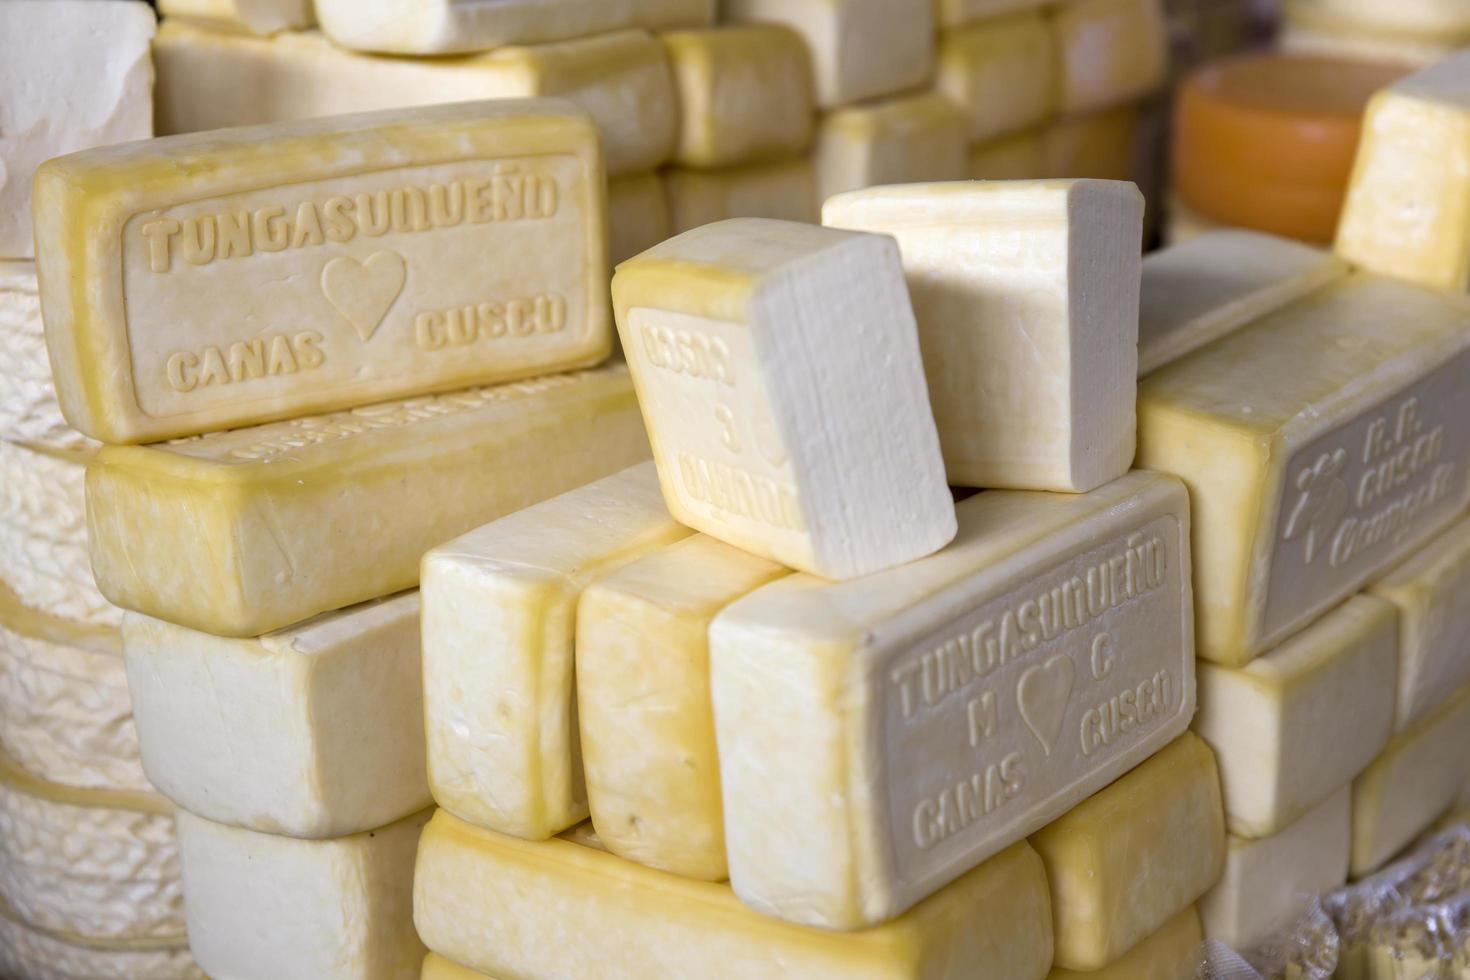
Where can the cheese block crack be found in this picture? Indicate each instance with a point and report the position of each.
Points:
(29, 412)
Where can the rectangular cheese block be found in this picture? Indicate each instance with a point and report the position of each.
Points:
(500, 615)
(753, 346)
(1300, 721)
(1448, 20)
(1269, 881)
(240, 533)
(263, 907)
(1431, 592)
(1196, 293)
(28, 409)
(1126, 861)
(637, 215)
(648, 730)
(1001, 72)
(252, 16)
(900, 140)
(784, 191)
(37, 955)
(1171, 953)
(322, 723)
(745, 94)
(957, 13)
(1101, 145)
(1110, 52)
(73, 74)
(1319, 449)
(218, 280)
(1026, 294)
(880, 737)
(507, 907)
(1016, 157)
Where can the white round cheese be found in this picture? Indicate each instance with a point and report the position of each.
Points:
(28, 408)
(28, 954)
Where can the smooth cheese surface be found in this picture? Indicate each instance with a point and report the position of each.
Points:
(1026, 295)
(637, 215)
(1110, 51)
(266, 906)
(1011, 55)
(1306, 29)
(1300, 721)
(322, 723)
(1015, 157)
(746, 337)
(1319, 450)
(1171, 953)
(900, 140)
(1445, 19)
(252, 16)
(1126, 861)
(243, 532)
(316, 266)
(506, 907)
(783, 191)
(33, 954)
(949, 707)
(1101, 145)
(643, 701)
(957, 13)
(28, 409)
(500, 617)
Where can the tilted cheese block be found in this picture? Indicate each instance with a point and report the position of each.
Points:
(210, 80)
(321, 725)
(893, 141)
(783, 191)
(637, 215)
(28, 409)
(648, 730)
(243, 532)
(1319, 449)
(32, 954)
(508, 907)
(1110, 52)
(860, 49)
(1198, 292)
(957, 13)
(1026, 294)
(45, 111)
(880, 737)
(1103, 145)
(1269, 881)
(1306, 29)
(745, 94)
(500, 614)
(753, 346)
(1296, 724)
(263, 907)
(1171, 953)
(98, 864)
(216, 280)
(1447, 19)
(1001, 72)
(252, 16)
(1012, 158)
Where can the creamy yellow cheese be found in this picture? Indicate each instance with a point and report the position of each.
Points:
(205, 282)
(1306, 29)
(1448, 20)
(32, 954)
(1110, 51)
(1015, 157)
(1026, 294)
(637, 215)
(880, 737)
(1001, 72)
(647, 725)
(900, 140)
(1319, 449)
(1171, 953)
(751, 344)
(1102, 145)
(957, 13)
(28, 409)
(252, 16)
(785, 191)
(500, 614)
(556, 908)
(243, 532)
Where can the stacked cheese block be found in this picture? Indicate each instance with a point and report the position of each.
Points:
(1417, 32)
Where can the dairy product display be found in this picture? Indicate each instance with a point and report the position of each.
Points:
(900, 140)
(1010, 54)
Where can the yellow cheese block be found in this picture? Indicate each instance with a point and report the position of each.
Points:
(500, 615)
(1010, 158)
(243, 532)
(745, 94)
(437, 967)
(1001, 72)
(1171, 953)
(785, 190)
(206, 282)
(648, 730)
(1103, 145)
(1307, 29)
(1126, 861)
(1111, 52)
(507, 907)
(33, 954)
(900, 140)
(637, 215)
(1319, 448)
(1448, 20)
(958, 13)
(252, 16)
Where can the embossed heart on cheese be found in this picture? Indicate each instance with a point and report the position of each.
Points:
(1042, 694)
(364, 292)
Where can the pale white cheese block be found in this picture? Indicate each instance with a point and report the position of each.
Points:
(1026, 294)
(637, 215)
(784, 191)
(777, 365)
(31, 954)
(73, 74)
(28, 408)
(253, 16)
(880, 737)
(900, 140)
(263, 907)
(316, 730)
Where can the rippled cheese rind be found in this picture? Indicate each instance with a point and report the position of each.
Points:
(28, 408)
(30, 954)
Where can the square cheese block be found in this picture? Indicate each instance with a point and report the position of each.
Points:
(1101, 145)
(860, 49)
(745, 94)
(778, 369)
(1171, 953)
(218, 280)
(1026, 294)
(250, 16)
(1015, 157)
(880, 737)
(1126, 861)
(1270, 881)
(32, 954)
(1302, 720)
(322, 724)
(784, 191)
(1198, 292)
(648, 729)
(263, 907)
(901, 140)
(73, 74)
(637, 215)
(1110, 52)
(1414, 781)
(28, 409)
(1319, 448)
(500, 616)
(507, 907)
(1431, 592)
(1001, 72)
(957, 13)
(243, 532)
